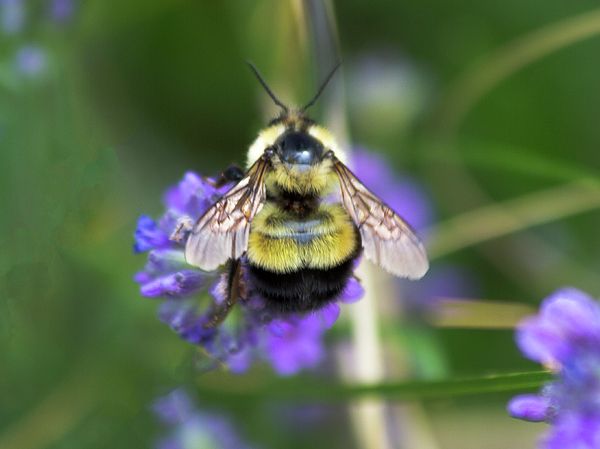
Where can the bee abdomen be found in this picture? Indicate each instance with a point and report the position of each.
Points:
(280, 243)
(303, 290)
(301, 265)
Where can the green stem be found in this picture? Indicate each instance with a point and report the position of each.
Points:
(518, 214)
(321, 391)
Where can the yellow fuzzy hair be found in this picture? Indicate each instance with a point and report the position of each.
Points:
(272, 245)
(266, 138)
(318, 180)
(329, 142)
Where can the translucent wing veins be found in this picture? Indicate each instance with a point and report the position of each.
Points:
(222, 232)
(387, 239)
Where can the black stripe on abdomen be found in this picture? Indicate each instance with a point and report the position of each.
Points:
(304, 290)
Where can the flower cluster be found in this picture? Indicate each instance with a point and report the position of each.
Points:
(288, 342)
(192, 428)
(565, 336)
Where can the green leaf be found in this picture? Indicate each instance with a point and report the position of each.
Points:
(319, 390)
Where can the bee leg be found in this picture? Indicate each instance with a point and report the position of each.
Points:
(233, 173)
(234, 287)
(184, 226)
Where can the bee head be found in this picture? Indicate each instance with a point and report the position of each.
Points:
(299, 148)
(294, 138)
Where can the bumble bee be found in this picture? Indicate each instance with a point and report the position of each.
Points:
(274, 228)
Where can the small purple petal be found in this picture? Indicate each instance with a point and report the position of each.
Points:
(574, 313)
(299, 347)
(256, 302)
(331, 313)
(142, 277)
(192, 196)
(219, 289)
(173, 408)
(147, 235)
(182, 317)
(240, 362)
(177, 197)
(174, 285)
(529, 407)
(165, 260)
(177, 314)
(540, 341)
(275, 328)
(575, 431)
(352, 293)
(194, 332)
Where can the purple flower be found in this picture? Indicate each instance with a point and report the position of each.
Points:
(192, 428)
(12, 16)
(251, 332)
(31, 61)
(61, 10)
(296, 345)
(565, 335)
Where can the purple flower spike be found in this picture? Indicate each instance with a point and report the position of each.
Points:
(192, 196)
(192, 428)
(566, 335)
(250, 328)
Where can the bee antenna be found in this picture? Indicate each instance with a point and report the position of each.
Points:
(311, 102)
(264, 84)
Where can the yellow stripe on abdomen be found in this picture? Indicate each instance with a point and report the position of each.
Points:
(281, 243)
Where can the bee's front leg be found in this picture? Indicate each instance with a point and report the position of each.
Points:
(235, 290)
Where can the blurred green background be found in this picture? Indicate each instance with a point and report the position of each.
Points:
(128, 96)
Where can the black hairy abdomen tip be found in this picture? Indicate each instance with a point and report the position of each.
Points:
(301, 291)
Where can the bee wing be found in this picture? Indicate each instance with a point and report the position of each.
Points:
(222, 232)
(387, 239)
